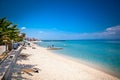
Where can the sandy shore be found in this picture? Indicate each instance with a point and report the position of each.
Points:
(54, 67)
(2, 49)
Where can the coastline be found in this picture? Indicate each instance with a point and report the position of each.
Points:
(95, 66)
(59, 67)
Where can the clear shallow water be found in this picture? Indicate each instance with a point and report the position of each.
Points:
(105, 54)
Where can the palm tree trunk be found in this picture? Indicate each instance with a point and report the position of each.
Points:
(10, 46)
(5, 46)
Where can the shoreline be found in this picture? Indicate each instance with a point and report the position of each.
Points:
(95, 66)
(59, 67)
(85, 62)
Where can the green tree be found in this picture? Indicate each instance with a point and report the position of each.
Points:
(9, 32)
(4, 34)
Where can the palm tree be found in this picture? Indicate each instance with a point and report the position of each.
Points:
(9, 32)
(4, 38)
(13, 35)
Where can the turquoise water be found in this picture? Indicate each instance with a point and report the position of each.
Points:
(105, 54)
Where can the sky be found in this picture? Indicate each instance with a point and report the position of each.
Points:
(64, 19)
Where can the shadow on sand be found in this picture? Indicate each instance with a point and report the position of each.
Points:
(23, 56)
(18, 71)
(21, 69)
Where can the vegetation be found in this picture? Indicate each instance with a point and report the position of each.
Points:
(9, 32)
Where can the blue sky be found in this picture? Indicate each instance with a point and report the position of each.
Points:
(64, 19)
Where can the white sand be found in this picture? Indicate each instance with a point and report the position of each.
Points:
(56, 67)
(2, 49)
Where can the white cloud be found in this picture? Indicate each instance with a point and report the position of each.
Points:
(41, 32)
(23, 28)
(109, 33)
(115, 28)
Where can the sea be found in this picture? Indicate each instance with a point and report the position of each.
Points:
(105, 54)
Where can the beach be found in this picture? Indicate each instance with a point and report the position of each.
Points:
(52, 66)
(2, 49)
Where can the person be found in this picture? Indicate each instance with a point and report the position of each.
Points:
(29, 44)
(52, 46)
(15, 45)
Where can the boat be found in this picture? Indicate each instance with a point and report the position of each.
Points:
(54, 48)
